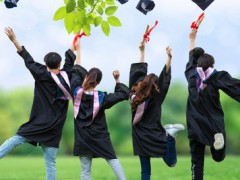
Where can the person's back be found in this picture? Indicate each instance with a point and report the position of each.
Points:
(50, 104)
(148, 92)
(205, 117)
(91, 135)
(204, 107)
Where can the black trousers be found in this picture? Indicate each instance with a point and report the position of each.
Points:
(197, 158)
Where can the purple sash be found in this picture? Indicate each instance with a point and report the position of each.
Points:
(139, 112)
(65, 77)
(77, 102)
(203, 75)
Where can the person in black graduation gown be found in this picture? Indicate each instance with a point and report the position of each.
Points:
(50, 104)
(205, 117)
(92, 138)
(148, 92)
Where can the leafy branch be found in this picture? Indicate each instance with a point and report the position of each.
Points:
(82, 15)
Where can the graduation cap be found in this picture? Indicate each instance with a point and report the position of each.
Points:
(145, 5)
(122, 1)
(11, 3)
(203, 4)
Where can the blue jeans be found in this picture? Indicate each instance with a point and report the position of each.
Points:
(49, 154)
(86, 163)
(170, 159)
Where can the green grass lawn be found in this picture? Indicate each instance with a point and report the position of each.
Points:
(68, 168)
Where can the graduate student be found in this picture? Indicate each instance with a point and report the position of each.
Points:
(205, 117)
(150, 138)
(50, 104)
(92, 138)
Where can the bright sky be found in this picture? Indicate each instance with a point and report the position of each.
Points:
(32, 22)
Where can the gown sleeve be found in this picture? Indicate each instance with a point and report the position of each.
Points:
(78, 74)
(37, 70)
(164, 80)
(121, 93)
(69, 61)
(192, 63)
(229, 85)
(190, 72)
(137, 73)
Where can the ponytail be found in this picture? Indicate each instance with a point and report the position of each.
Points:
(93, 78)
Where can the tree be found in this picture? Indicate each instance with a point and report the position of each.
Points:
(81, 15)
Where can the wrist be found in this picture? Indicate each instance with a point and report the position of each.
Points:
(15, 41)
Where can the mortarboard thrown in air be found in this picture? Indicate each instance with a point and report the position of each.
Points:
(203, 4)
(122, 1)
(11, 3)
(145, 5)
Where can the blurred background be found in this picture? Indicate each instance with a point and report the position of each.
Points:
(33, 23)
(15, 106)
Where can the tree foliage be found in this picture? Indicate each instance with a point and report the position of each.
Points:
(15, 108)
(82, 15)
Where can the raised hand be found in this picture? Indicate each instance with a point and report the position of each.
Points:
(169, 59)
(116, 75)
(169, 51)
(193, 34)
(77, 45)
(9, 32)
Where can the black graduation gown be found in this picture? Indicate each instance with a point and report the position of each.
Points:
(48, 112)
(204, 112)
(94, 139)
(148, 135)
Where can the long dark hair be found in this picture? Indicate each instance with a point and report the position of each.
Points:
(143, 90)
(205, 61)
(94, 76)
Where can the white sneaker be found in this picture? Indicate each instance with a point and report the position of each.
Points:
(219, 141)
(172, 129)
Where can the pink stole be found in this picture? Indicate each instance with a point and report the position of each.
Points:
(65, 77)
(77, 102)
(203, 76)
(139, 112)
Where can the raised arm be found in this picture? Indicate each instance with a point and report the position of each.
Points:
(121, 93)
(165, 76)
(169, 59)
(193, 33)
(70, 57)
(142, 51)
(78, 72)
(78, 52)
(37, 70)
(10, 33)
(192, 37)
